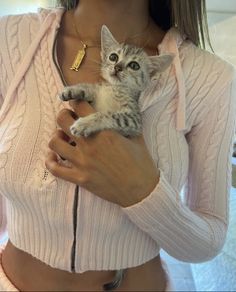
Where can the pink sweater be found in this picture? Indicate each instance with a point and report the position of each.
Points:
(188, 125)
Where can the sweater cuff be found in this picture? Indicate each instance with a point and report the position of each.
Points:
(163, 201)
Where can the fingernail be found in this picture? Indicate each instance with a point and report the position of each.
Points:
(62, 158)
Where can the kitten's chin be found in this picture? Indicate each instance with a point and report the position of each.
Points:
(112, 79)
(115, 78)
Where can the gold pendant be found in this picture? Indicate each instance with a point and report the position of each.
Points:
(78, 59)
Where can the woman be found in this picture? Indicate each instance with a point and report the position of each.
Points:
(127, 203)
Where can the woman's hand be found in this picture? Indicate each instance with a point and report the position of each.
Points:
(107, 164)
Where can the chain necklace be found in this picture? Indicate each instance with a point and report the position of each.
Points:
(82, 52)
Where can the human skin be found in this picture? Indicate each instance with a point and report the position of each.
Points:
(111, 166)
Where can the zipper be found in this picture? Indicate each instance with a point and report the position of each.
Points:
(46, 172)
(76, 196)
(75, 207)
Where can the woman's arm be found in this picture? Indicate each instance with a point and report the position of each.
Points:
(195, 231)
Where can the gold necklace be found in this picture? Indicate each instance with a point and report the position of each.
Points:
(79, 58)
(82, 52)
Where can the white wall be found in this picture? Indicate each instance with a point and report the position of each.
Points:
(223, 35)
(18, 6)
(21, 6)
(221, 5)
(221, 16)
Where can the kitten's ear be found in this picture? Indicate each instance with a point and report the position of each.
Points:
(160, 63)
(107, 39)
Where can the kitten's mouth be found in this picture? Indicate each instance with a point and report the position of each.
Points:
(115, 75)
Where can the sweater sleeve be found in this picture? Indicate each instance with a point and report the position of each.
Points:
(194, 229)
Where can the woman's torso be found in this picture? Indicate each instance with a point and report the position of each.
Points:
(27, 272)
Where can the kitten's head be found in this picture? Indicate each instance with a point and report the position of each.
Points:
(127, 64)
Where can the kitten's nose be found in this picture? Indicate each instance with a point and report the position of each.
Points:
(118, 68)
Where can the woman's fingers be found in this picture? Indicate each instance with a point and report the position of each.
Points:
(59, 170)
(62, 135)
(65, 120)
(66, 117)
(60, 144)
(82, 108)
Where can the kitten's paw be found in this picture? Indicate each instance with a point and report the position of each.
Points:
(75, 132)
(66, 94)
(82, 127)
(80, 94)
(72, 93)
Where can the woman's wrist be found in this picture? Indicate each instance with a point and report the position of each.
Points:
(141, 191)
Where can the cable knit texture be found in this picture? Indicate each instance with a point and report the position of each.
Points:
(188, 124)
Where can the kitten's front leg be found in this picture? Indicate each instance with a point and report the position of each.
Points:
(87, 125)
(78, 92)
(127, 123)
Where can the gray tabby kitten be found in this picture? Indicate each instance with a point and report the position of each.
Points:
(127, 71)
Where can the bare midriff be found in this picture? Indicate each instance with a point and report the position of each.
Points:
(30, 274)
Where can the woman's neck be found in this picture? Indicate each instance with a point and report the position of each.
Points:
(124, 18)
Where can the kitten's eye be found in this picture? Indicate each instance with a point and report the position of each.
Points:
(113, 57)
(134, 65)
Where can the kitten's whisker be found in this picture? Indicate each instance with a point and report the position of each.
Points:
(144, 45)
(94, 71)
(124, 38)
(92, 68)
(147, 41)
(95, 61)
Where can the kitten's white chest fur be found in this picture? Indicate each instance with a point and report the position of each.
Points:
(105, 100)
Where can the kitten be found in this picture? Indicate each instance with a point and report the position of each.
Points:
(127, 71)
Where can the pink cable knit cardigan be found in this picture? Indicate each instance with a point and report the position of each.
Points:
(188, 125)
